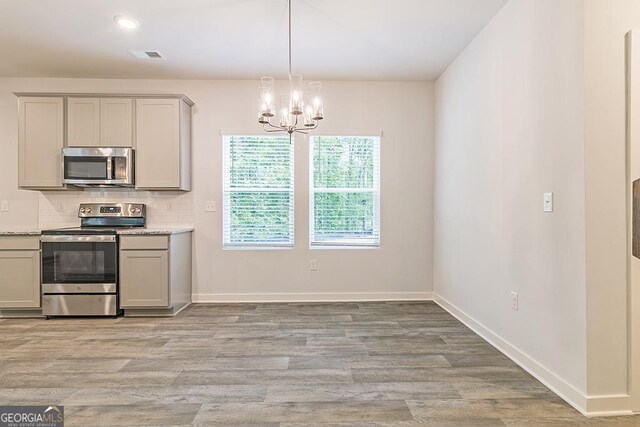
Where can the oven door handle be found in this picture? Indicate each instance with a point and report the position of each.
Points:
(79, 238)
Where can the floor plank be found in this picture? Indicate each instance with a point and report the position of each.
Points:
(327, 412)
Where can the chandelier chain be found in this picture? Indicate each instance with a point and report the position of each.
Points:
(289, 1)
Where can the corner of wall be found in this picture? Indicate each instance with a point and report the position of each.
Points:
(558, 385)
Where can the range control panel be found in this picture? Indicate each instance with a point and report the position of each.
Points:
(111, 209)
(107, 210)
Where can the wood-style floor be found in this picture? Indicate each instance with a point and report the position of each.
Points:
(345, 364)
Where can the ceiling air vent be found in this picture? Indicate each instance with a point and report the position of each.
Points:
(147, 54)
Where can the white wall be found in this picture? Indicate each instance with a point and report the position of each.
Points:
(510, 126)
(23, 205)
(401, 268)
(606, 23)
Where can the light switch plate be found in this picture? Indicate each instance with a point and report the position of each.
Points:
(4, 206)
(547, 202)
(210, 206)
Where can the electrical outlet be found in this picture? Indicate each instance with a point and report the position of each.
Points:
(210, 206)
(313, 265)
(547, 202)
(514, 300)
(4, 206)
(169, 207)
(60, 207)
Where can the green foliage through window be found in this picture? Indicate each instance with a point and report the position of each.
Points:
(258, 190)
(345, 190)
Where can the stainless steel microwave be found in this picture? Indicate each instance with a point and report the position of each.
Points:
(98, 167)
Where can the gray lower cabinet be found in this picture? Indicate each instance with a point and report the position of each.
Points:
(155, 273)
(144, 278)
(19, 272)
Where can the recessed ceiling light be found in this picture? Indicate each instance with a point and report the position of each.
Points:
(127, 22)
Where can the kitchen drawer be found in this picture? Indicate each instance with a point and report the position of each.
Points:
(144, 242)
(80, 305)
(19, 243)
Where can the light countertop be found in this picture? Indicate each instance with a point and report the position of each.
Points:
(128, 231)
(148, 231)
(19, 232)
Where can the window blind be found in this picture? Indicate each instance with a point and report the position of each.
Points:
(258, 191)
(344, 191)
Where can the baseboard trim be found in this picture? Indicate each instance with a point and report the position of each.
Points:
(609, 405)
(23, 313)
(589, 406)
(313, 297)
(559, 386)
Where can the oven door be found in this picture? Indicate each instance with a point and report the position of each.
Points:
(79, 264)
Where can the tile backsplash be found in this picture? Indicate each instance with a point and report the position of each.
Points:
(60, 209)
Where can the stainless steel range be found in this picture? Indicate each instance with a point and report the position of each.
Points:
(80, 264)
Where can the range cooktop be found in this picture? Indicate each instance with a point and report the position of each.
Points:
(105, 218)
(85, 230)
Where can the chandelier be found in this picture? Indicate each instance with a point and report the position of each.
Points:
(300, 110)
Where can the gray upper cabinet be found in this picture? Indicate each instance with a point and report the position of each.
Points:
(83, 122)
(158, 127)
(40, 142)
(163, 144)
(116, 122)
(99, 122)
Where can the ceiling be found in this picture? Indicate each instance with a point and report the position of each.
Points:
(238, 39)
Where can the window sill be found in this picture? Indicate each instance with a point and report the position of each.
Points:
(342, 247)
(256, 248)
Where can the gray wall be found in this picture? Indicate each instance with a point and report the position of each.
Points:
(401, 268)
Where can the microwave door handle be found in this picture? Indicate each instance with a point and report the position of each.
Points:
(110, 168)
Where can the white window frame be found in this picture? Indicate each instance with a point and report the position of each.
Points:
(226, 192)
(346, 243)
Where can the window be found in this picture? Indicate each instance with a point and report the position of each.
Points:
(258, 191)
(345, 191)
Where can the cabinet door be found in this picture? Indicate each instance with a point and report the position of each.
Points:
(144, 279)
(40, 141)
(19, 279)
(158, 143)
(116, 122)
(83, 122)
